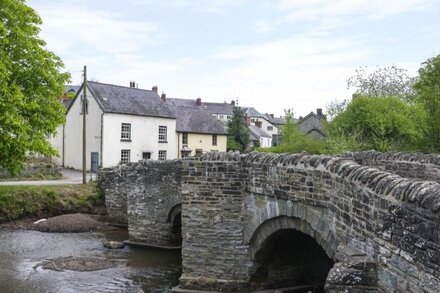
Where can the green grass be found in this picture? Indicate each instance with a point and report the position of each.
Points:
(17, 202)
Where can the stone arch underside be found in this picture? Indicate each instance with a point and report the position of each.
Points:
(288, 252)
(174, 220)
(280, 214)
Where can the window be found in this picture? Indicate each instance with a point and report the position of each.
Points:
(214, 139)
(126, 131)
(221, 117)
(185, 138)
(162, 155)
(254, 120)
(269, 127)
(125, 156)
(81, 106)
(146, 155)
(162, 134)
(229, 117)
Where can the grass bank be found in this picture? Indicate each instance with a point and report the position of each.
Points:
(18, 202)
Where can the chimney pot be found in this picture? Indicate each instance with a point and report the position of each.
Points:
(319, 112)
(233, 103)
(163, 97)
(199, 101)
(155, 89)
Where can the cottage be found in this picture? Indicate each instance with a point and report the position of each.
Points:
(197, 130)
(124, 124)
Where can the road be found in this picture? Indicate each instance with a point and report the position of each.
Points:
(69, 177)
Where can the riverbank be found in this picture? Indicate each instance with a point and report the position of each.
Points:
(33, 202)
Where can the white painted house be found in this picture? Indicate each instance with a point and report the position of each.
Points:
(123, 124)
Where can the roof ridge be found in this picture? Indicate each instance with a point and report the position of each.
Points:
(122, 86)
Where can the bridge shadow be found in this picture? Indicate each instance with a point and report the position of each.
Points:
(175, 222)
(288, 253)
(289, 258)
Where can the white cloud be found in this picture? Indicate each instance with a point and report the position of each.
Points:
(301, 72)
(211, 6)
(311, 10)
(263, 26)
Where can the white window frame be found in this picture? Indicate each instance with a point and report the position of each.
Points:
(125, 156)
(162, 134)
(162, 155)
(126, 133)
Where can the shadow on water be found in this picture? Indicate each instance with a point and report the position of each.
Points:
(135, 267)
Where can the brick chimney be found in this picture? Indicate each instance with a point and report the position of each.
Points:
(198, 101)
(132, 84)
(247, 120)
(155, 89)
(233, 103)
(163, 97)
(319, 112)
(272, 115)
(259, 124)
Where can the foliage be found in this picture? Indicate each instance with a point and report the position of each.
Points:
(296, 141)
(37, 201)
(30, 82)
(387, 81)
(428, 94)
(381, 123)
(238, 133)
(335, 108)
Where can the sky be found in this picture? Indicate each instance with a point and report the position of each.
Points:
(267, 54)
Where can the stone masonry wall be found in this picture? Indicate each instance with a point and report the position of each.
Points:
(114, 184)
(390, 224)
(154, 190)
(214, 255)
(410, 165)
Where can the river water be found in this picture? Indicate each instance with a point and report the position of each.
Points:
(22, 250)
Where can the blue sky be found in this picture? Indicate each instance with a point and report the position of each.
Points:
(271, 54)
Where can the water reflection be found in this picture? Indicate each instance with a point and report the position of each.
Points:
(152, 270)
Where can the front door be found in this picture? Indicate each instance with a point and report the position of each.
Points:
(95, 162)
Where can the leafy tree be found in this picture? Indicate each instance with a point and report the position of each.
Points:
(381, 123)
(387, 81)
(238, 133)
(296, 141)
(428, 94)
(30, 82)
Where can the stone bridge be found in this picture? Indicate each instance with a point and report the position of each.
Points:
(250, 223)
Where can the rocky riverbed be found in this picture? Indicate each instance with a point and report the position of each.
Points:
(34, 261)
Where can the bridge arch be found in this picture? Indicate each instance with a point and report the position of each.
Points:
(287, 252)
(174, 219)
(277, 215)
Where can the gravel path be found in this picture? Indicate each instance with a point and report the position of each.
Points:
(69, 177)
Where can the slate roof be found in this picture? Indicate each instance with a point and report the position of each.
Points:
(258, 132)
(276, 120)
(195, 120)
(251, 112)
(126, 100)
(211, 108)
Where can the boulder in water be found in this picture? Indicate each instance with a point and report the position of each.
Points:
(114, 244)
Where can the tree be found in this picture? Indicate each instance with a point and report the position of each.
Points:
(296, 141)
(428, 94)
(382, 82)
(30, 84)
(238, 133)
(381, 123)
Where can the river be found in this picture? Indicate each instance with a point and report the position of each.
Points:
(22, 250)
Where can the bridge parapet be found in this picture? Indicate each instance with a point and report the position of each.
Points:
(409, 165)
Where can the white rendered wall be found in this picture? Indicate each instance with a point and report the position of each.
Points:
(56, 141)
(74, 129)
(264, 125)
(144, 137)
(265, 142)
